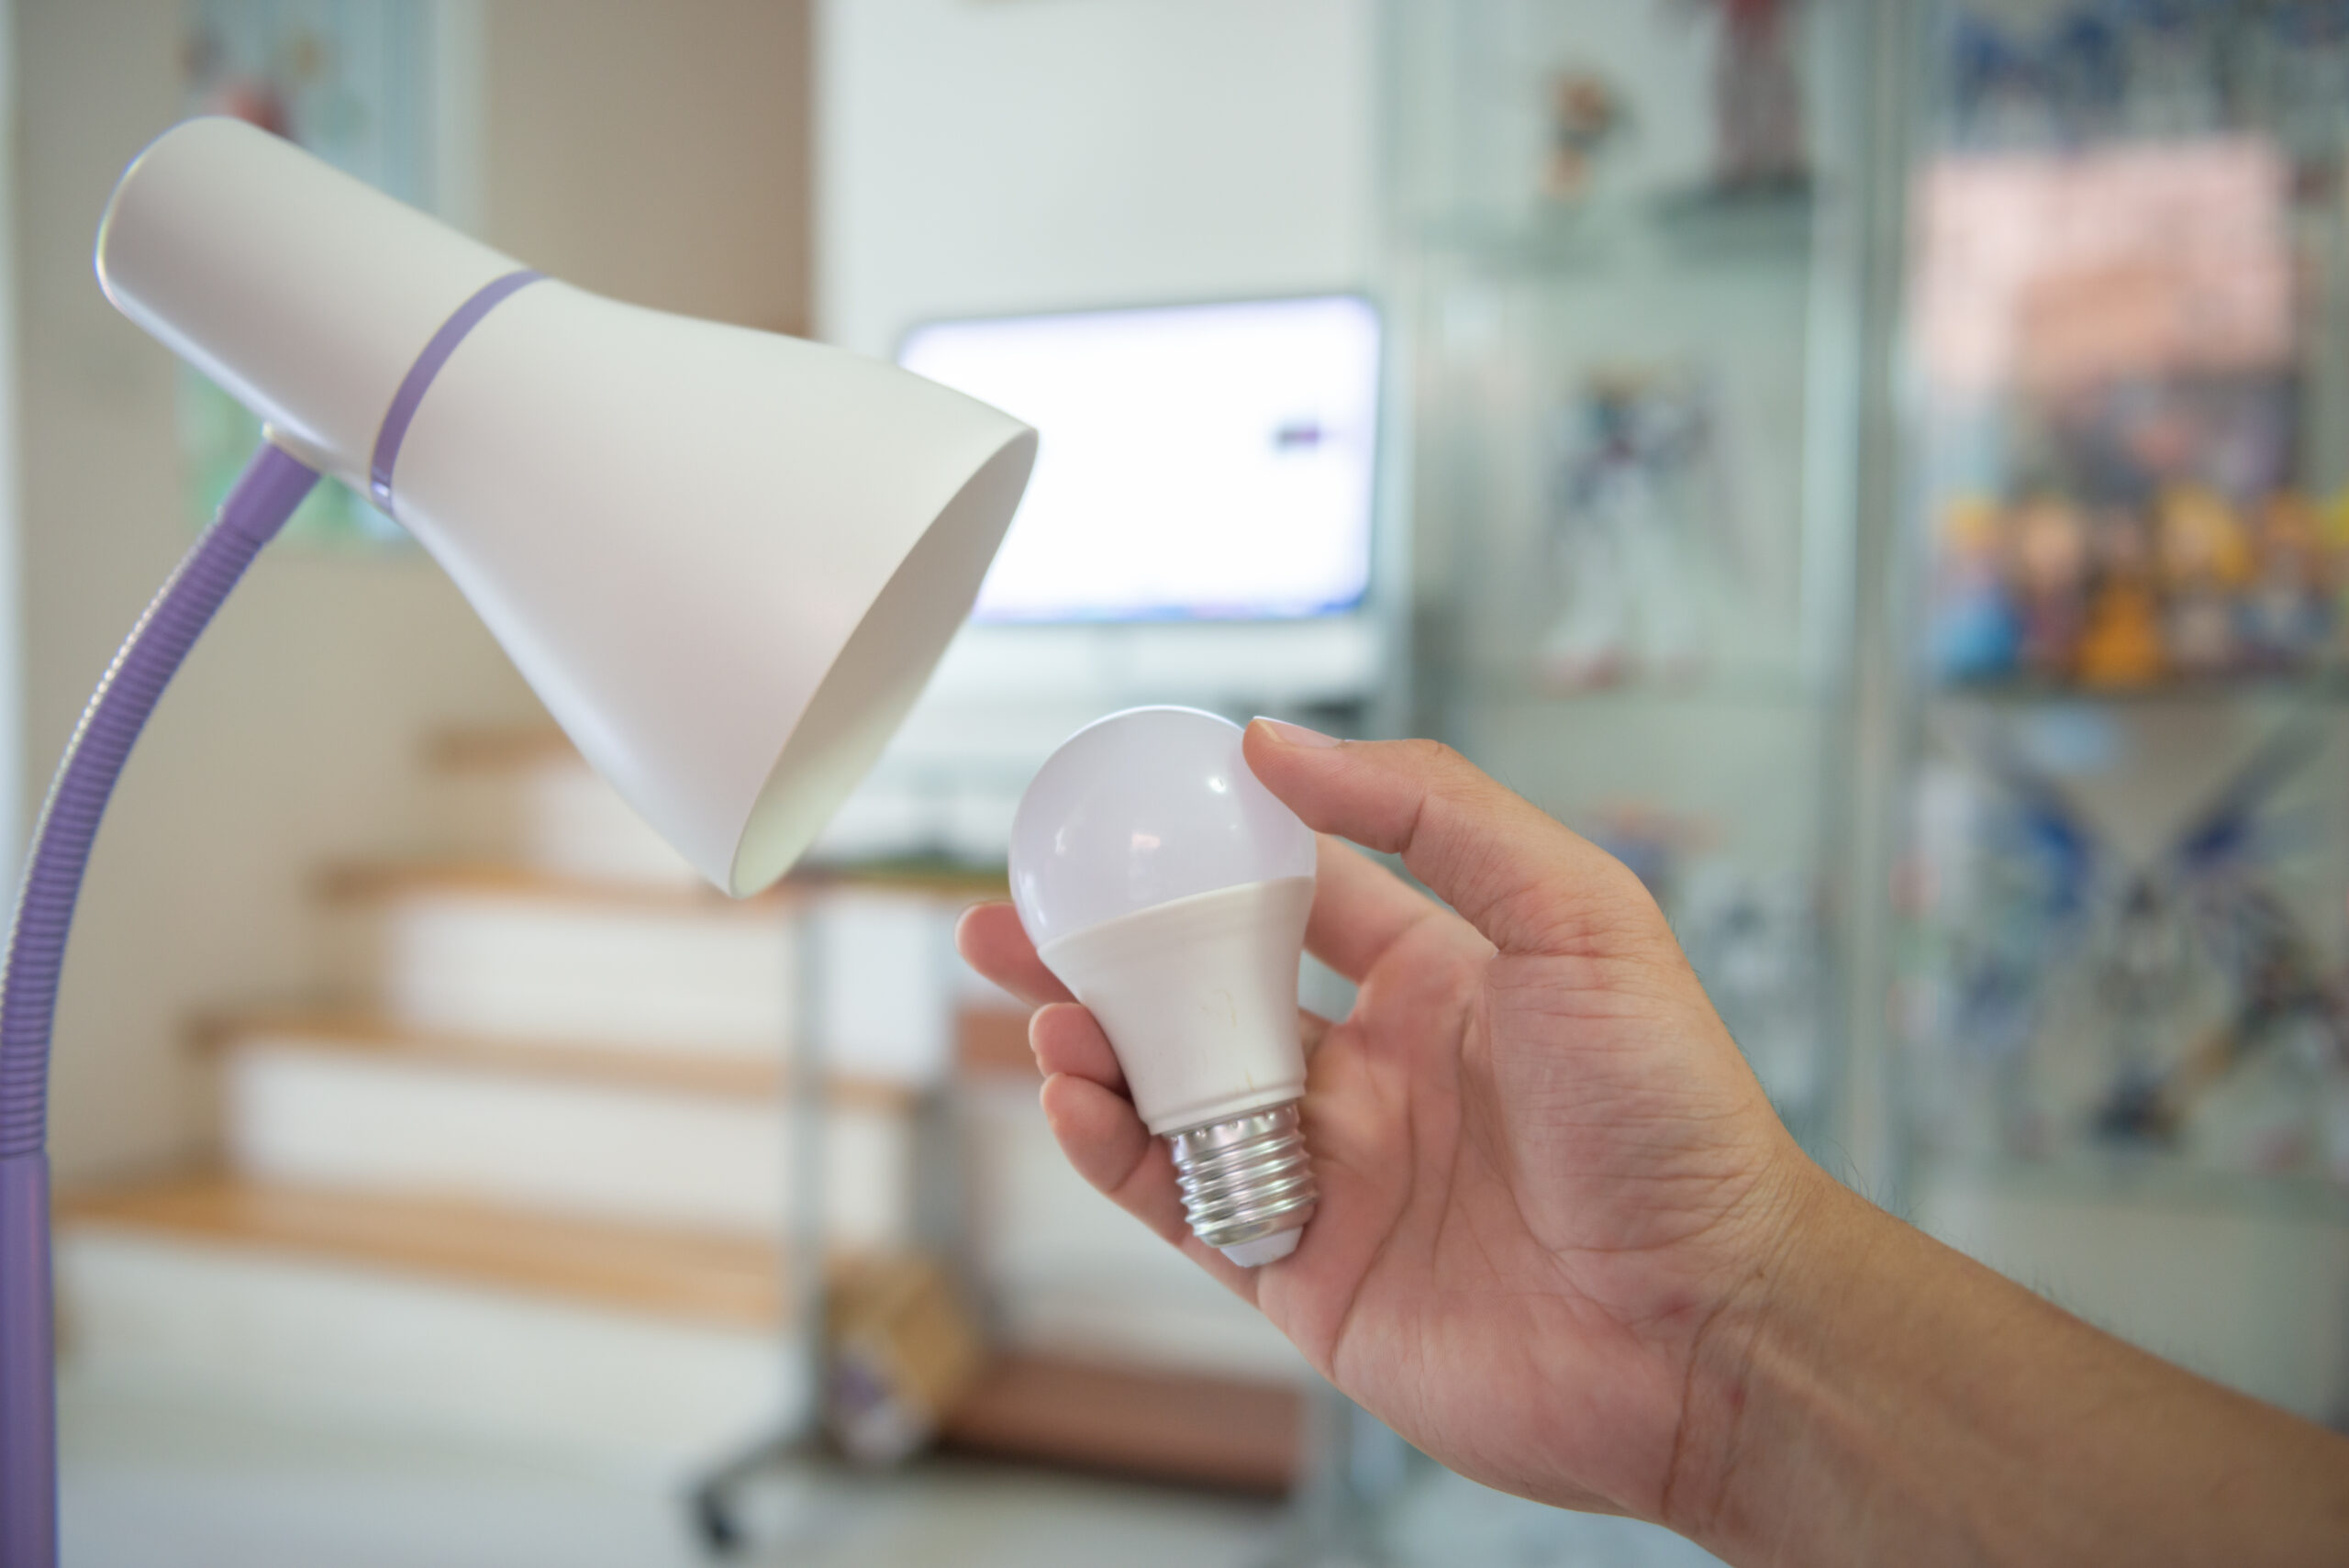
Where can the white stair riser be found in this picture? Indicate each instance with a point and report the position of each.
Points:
(556, 816)
(887, 984)
(598, 1150)
(578, 971)
(888, 981)
(407, 1353)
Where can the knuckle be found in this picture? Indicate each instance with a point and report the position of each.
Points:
(1432, 756)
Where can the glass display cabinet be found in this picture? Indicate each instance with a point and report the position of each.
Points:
(1882, 469)
(2121, 1065)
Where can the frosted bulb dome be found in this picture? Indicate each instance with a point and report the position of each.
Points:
(1139, 809)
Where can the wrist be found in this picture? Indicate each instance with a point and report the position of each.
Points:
(1805, 1237)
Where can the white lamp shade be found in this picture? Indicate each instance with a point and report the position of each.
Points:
(726, 559)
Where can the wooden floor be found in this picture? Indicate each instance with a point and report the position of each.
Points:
(1170, 1427)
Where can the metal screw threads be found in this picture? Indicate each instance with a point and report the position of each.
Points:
(1246, 1178)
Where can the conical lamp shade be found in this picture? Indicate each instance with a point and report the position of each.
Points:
(726, 559)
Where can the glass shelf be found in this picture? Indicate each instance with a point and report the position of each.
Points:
(2276, 691)
(1691, 229)
(2136, 1179)
(1518, 687)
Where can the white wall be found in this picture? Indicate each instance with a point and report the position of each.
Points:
(980, 156)
(291, 738)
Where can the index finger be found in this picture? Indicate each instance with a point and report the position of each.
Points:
(1511, 870)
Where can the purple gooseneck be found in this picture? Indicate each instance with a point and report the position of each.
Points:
(266, 494)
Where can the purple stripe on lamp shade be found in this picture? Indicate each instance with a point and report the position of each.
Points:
(413, 386)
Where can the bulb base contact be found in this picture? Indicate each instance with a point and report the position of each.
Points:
(1247, 1182)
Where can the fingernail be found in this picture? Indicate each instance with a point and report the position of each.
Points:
(1295, 734)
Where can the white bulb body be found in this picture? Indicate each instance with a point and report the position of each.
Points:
(1168, 889)
(1199, 998)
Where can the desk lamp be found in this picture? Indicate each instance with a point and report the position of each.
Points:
(726, 561)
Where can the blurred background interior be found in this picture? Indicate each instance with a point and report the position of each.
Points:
(1880, 468)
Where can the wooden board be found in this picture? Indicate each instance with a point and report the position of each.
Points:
(376, 882)
(365, 1033)
(992, 1040)
(1158, 1426)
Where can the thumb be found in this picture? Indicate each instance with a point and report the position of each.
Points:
(1509, 868)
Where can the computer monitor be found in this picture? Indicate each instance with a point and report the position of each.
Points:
(1199, 529)
(1200, 462)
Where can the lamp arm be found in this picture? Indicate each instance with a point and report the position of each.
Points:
(264, 496)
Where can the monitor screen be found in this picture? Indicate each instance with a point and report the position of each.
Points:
(1204, 462)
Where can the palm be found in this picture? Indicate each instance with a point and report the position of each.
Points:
(1499, 1212)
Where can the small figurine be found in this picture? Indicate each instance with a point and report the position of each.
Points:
(1586, 114)
(2283, 622)
(1757, 100)
(1634, 588)
(2205, 562)
(2334, 519)
(2051, 569)
(1974, 634)
(2121, 646)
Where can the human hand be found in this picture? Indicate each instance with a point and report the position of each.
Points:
(1545, 1169)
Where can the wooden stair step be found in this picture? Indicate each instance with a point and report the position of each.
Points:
(991, 1041)
(1160, 1426)
(374, 882)
(717, 1279)
(680, 1071)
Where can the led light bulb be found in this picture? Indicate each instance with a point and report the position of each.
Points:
(1168, 889)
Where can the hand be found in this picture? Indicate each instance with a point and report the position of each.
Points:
(1545, 1169)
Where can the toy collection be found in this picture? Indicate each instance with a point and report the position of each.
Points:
(2058, 73)
(2194, 588)
(2179, 1002)
(2155, 540)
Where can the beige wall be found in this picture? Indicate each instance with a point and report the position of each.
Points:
(290, 740)
(657, 153)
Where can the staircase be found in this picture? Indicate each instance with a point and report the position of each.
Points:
(524, 1175)
(523, 1171)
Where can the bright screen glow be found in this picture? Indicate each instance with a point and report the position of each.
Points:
(1208, 461)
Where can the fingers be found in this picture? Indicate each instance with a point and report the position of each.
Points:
(990, 939)
(1111, 1148)
(1065, 1039)
(1360, 909)
(1511, 870)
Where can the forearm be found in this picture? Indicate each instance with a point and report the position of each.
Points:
(1875, 1397)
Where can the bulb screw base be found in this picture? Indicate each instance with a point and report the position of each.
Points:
(1245, 1179)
